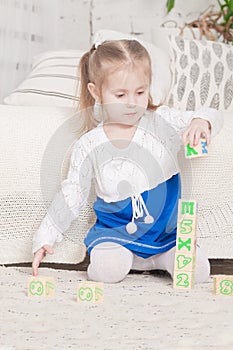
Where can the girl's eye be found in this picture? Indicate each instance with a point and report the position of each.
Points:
(119, 95)
(140, 92)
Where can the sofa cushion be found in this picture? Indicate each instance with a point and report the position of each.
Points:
(53, 81)
(202, 74)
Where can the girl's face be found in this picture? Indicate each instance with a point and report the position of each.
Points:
(124, 95)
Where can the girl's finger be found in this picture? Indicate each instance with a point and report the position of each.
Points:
(196, 138)
(35, 265)
(191, 137)
(48, 249)
(185, 137)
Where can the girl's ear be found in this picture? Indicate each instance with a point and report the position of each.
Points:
(94, 91)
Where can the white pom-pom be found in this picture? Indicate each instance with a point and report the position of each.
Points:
(149, 219)
(131, 227)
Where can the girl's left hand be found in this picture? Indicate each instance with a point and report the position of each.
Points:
(198, 128)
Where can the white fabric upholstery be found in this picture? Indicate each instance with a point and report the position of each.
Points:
(34, 141)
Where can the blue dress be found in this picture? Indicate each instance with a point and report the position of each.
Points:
(149, 239)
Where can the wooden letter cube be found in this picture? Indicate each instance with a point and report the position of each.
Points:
(184, 262)
(201, 150)
(41, 286)
(183, 279)
(223, 285)
(187, 208)
(89, 291)
(186, 245)
(186, 226)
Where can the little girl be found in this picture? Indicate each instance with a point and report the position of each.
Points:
(130, 151)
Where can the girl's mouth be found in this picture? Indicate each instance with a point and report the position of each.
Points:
(131, 114)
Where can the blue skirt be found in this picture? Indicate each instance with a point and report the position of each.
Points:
(149, 239)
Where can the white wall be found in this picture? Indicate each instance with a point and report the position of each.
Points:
(79, 19)
(28, 27)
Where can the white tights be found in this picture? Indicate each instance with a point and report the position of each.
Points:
(111, 262)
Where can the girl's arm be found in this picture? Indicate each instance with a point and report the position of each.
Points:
(190, 124)
(67, 203)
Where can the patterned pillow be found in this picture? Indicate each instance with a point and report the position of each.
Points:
(202, 74)
(53, 81)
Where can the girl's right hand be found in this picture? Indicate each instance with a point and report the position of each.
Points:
(38, 256)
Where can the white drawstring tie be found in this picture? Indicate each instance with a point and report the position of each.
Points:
(138, 204)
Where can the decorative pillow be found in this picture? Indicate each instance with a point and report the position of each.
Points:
(202, 74)
(161, 73)
(53, 80)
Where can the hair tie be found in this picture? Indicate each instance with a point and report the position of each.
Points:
(97, 44)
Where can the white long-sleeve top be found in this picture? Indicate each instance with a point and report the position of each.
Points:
(150, 159)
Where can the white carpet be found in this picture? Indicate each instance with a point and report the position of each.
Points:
(141, 312)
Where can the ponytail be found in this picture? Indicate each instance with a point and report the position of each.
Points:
(86, 101)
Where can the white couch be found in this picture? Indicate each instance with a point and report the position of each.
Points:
(37, 135)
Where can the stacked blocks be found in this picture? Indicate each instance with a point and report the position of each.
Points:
(184, 266)
(200, 150)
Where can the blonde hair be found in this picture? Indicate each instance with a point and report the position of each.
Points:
(94, 65)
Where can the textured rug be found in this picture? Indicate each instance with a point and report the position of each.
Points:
(141, 312)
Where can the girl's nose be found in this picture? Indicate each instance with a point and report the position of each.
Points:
(131, 102)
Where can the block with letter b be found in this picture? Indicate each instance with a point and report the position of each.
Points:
(41, 286)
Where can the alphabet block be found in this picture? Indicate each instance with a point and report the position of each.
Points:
(184, 262)
(41, 286)
(183, 279)
(187, 209)
(201, 150)
(223, 285)
(186, 245)
(89, 291)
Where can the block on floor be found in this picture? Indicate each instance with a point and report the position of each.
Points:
(90, 291)
(41, 286)
(223, 285)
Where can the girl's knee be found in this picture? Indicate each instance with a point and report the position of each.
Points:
(109, 262)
